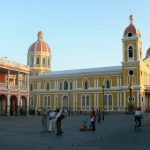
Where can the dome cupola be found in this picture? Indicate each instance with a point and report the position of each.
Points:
(40, 45)
(39, 56)
(131, 30)
(148, 53)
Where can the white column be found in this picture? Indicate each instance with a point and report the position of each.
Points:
(124, 100)
(8, 94)
(138, 99)
(95, 84)
(28, 94)
(117, 81)
(76, 85)
(97, 98)
(95, 101)
(76, 102)
(18, 104)
(118, 102)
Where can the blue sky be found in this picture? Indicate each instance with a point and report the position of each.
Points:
(81, 33)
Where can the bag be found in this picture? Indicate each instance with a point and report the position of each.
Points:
(61, 117)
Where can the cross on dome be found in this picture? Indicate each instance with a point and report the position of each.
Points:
(131, 19)
(40, 36)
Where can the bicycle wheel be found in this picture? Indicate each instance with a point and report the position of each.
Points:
(136, 126)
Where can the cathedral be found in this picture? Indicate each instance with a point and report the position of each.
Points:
(115, 88)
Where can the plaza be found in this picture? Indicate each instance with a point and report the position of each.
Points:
(114, 133)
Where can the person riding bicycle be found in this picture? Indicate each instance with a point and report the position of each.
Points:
(138, 116)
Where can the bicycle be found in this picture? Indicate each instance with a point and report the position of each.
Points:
(137, 127)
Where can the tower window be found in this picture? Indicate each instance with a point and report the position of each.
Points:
(129, 34)
(130, 72)
(65, 85)
(130, 52)
(43, 61)
(38, 61)
(85, 84)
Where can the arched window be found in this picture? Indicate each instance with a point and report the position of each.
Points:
(85, 102)
(110, 101)
(46, 102)
(70, 85)
(60, 86)
(31, 87)
(48, 62)
(32, 61)
(47, 86)
(85, 84)
(107, 83)
(43, 61)
(38, 61)
(105, 101)
(31, 102)
(130, 52)
(65, 85)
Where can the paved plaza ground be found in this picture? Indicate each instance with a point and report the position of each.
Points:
(116, 132)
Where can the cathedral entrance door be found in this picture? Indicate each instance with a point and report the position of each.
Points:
(65, 103)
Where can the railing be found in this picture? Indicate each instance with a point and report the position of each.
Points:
(4, 86)
(13, 64)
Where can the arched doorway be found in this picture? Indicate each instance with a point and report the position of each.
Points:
(23, 105)
(3, 105)
(13, 105)
(65, 103)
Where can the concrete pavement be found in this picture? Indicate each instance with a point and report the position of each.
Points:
(114, 133)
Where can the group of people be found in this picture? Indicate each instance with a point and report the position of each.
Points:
(95, 116)
(51, 121)
(55, 118)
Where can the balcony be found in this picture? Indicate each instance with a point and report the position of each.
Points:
(13, 88)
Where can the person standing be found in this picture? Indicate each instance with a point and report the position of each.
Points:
(52, 116)
(44, 120)
(138, 116)
(99, 116)
(59, 117)
(93, 120)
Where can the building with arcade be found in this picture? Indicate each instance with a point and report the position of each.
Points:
(14, 89)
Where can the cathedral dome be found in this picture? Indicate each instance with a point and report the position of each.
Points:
(131, 29)
(148, 52)
(40, 45)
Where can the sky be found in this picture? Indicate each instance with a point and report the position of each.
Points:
(81, 33)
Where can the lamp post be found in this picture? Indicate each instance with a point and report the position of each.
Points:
(130, 98)
(103, 102)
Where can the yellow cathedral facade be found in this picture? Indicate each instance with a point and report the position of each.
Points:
(114, 88)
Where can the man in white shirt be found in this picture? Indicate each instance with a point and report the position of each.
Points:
(138, 116)
(52, 116)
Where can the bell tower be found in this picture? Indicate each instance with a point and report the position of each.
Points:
(132, 54)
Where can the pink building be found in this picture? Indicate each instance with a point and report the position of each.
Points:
(14, 91)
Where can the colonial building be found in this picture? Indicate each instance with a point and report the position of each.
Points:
(114, 88)
(14, 91)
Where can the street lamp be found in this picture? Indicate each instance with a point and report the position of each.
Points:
(103, 102)
(130, 98)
